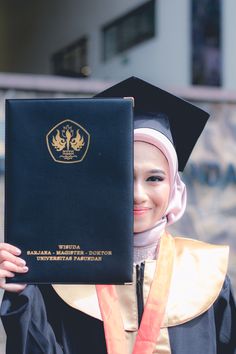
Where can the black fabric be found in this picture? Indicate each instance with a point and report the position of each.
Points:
(225, 319)
(37, 321)
(28, 331)
(214, 332)
(159, 122)
(186, 121)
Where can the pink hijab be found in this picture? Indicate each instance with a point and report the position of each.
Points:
(178, 195)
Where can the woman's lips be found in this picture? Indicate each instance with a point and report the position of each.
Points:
(140, 211)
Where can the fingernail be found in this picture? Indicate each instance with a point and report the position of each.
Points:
(18, 251)
(22, 262)
(25, 269)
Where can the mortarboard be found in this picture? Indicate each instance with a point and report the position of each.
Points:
(180, 121)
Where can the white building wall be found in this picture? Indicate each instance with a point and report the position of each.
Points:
(38, 29)
(163, 59)
(229, 43)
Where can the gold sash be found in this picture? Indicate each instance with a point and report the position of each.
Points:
(153, 312)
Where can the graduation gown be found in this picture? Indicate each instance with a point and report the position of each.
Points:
(200, 316)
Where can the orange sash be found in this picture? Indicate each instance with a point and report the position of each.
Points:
(153, 312)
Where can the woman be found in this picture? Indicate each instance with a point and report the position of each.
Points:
(180, 300)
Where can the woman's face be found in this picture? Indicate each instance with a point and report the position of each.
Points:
(151, 185)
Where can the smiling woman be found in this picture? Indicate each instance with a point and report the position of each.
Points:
(151, 186)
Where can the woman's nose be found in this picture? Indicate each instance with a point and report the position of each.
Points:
(140, 195)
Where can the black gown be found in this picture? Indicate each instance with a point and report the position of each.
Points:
(39, 321)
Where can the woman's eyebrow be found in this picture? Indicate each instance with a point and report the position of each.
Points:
(157, 171)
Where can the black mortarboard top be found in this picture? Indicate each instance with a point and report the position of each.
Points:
(155, 108)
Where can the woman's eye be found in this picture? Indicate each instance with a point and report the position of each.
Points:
(155, 179)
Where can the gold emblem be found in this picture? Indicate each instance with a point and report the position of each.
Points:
(68, 142)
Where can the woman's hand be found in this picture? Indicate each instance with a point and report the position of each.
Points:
(10, 264)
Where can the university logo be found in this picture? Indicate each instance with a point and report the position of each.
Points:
(68, 142)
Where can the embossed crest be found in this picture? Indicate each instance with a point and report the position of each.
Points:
(68, 142)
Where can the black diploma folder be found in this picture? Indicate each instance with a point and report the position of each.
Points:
(69, 189)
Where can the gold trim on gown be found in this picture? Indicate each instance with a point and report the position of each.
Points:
(198, 276)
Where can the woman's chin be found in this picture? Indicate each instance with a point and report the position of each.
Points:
(140, 228)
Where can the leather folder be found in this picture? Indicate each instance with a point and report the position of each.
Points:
(69, 189)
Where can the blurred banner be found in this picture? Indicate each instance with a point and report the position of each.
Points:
(210, 176)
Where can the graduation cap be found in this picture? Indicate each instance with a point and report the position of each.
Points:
(180, 121)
